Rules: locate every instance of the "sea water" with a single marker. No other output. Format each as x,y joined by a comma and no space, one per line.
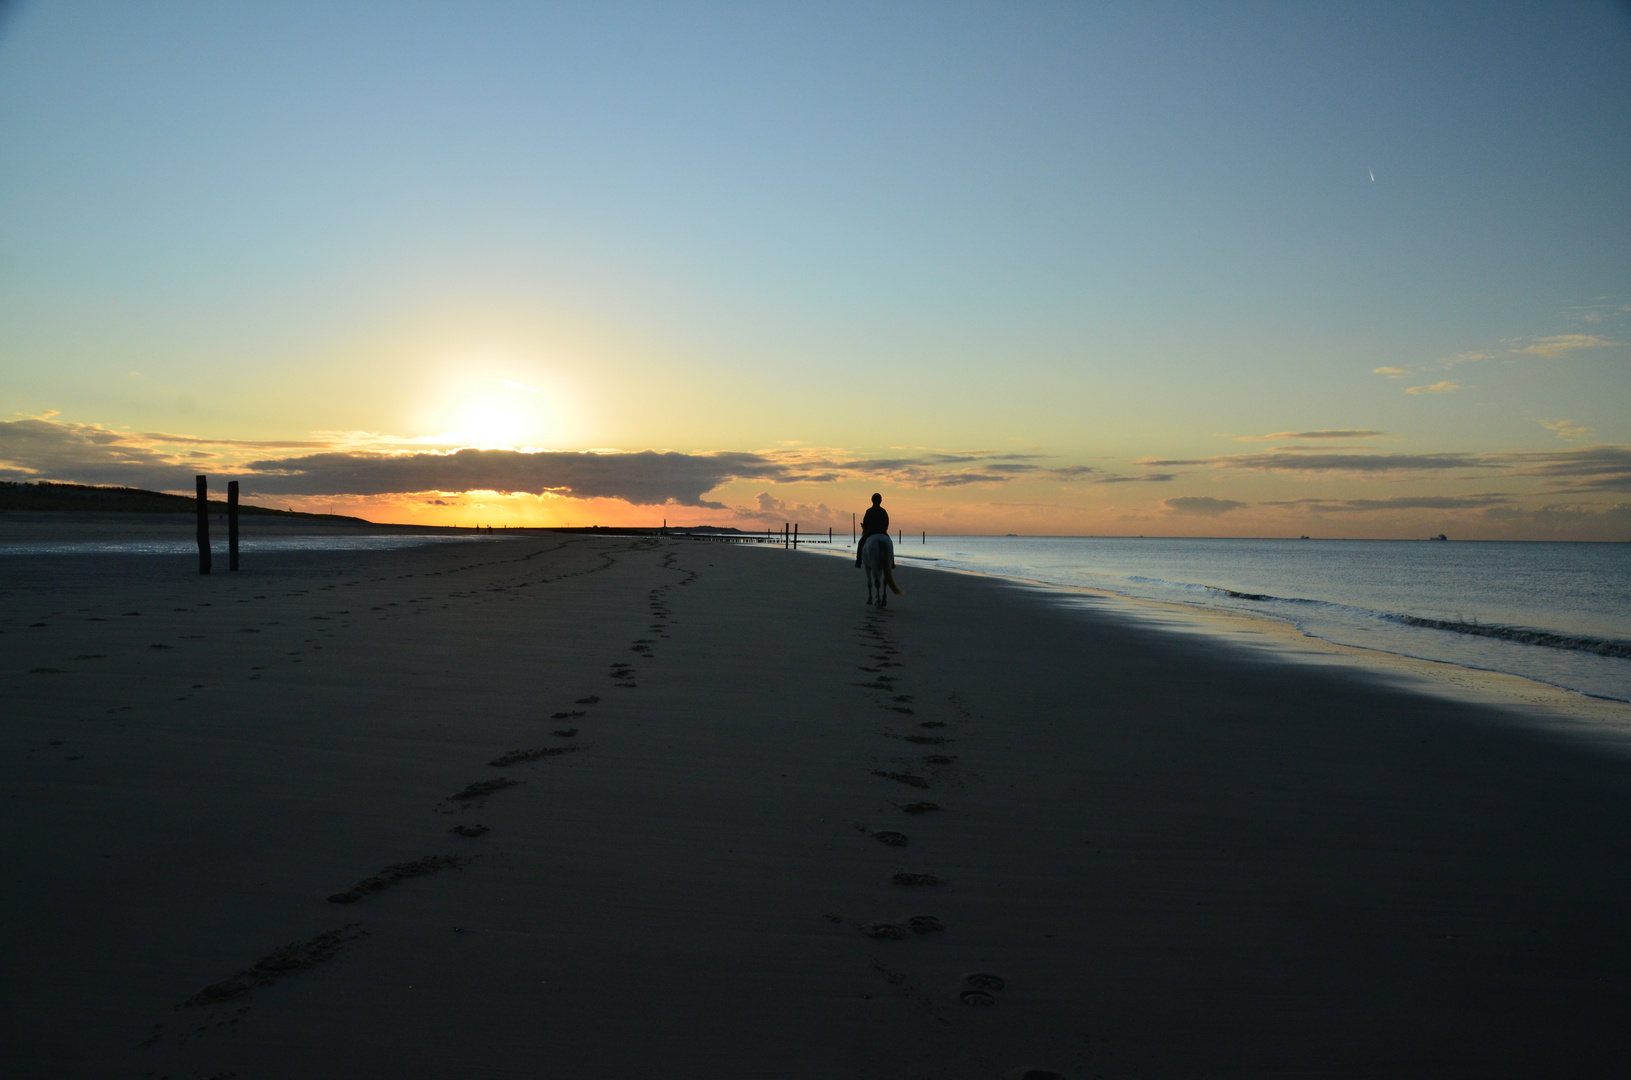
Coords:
1558,613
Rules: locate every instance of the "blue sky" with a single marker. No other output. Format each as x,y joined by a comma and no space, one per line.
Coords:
1097,234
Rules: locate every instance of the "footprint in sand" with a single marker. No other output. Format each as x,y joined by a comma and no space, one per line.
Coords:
294,957
938,759
883,931
590,700
893,839
933,723
567,715
920,807
913,879
904,778
468,830
925,924
565,733
516,757
478,791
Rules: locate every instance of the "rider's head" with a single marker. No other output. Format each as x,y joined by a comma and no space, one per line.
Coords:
876,498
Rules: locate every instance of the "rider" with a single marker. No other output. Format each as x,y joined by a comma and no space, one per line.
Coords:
875,520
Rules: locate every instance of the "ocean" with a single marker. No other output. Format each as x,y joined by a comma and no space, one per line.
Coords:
1556,613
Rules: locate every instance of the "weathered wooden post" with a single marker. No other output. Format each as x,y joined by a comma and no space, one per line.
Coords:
925,537
203,525
232,524
795,535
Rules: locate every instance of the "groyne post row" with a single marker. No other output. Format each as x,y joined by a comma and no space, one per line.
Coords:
790,535
204,525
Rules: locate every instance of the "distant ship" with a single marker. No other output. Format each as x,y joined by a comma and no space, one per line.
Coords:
1440,536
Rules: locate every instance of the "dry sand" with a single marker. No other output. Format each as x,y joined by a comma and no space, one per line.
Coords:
1156,857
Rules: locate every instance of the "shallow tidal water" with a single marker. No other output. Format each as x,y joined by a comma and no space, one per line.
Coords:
1557,613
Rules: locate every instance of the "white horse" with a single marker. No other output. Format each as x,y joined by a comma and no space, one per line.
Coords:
878,561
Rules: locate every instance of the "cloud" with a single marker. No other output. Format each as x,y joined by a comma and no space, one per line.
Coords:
85,453
49,450
513,385
160,438
1577,521
770,509
1391,372
1201,504
1147,478
1596,313
1335,433
1566,429
938,469
643,478
1563,344
1445,387
367,463
1590,468
1464,358
1290,461
1400,502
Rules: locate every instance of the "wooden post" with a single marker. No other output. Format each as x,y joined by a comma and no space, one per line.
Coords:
203,525
852,526
232,524
795,535
829,536
925,537
786,533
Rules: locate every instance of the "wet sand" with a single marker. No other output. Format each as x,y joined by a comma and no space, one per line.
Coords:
570,806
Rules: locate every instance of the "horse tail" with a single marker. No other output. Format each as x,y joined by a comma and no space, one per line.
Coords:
889,579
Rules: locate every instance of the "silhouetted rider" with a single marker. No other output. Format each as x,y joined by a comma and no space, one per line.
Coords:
875,520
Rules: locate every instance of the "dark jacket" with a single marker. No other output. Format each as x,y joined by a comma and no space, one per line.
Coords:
876,520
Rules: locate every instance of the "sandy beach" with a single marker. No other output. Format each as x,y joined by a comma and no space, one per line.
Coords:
579,806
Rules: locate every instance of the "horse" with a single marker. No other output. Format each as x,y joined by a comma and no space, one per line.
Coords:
878,560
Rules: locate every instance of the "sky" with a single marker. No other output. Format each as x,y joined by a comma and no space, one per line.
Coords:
1067,268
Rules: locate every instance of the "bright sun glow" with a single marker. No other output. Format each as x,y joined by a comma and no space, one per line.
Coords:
496,421
496,404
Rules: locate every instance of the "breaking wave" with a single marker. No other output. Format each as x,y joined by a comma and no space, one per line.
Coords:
1522,634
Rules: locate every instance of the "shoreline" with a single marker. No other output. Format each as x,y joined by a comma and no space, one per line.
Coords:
1281,638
